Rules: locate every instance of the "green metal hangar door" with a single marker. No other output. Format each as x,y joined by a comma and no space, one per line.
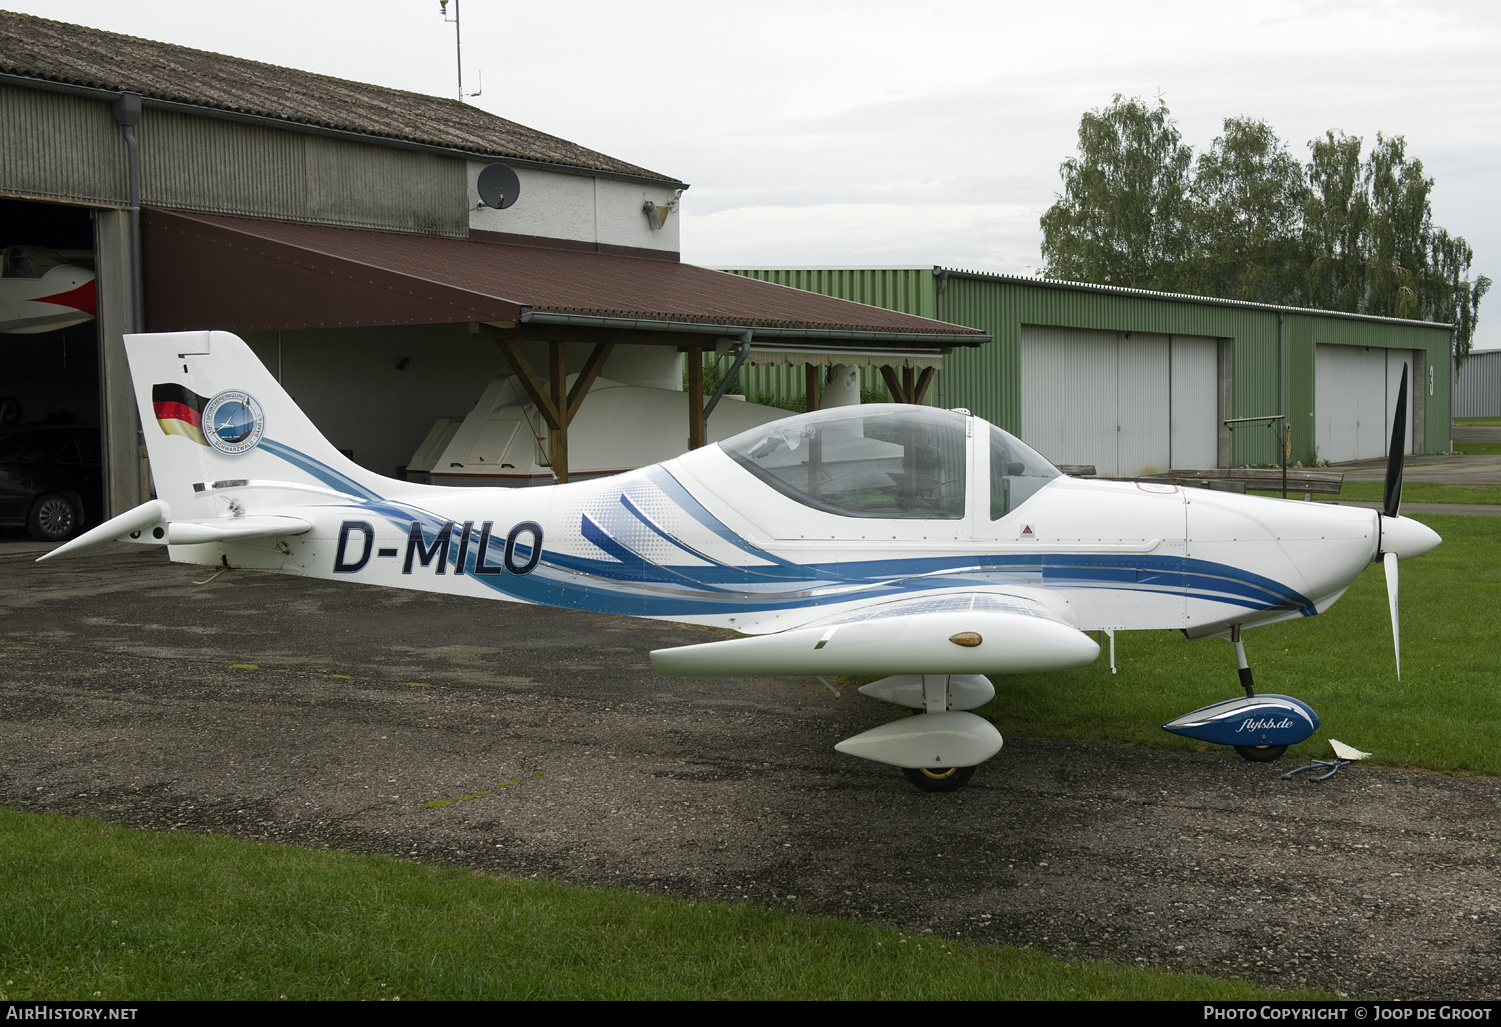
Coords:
388,255
1135,382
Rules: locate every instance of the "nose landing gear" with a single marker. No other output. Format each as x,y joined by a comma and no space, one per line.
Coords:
1258,727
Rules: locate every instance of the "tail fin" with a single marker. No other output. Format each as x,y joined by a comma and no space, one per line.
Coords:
213,415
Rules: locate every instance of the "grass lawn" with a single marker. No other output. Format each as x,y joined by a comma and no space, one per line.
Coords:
1478,448
1478,420
1445,713
95,911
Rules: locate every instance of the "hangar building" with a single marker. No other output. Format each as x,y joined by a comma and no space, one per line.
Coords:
1137,382
338,227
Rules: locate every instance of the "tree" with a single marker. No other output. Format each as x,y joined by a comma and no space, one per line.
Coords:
1371,244
1120,219
1400,227
1448,294
1248,222
1245,215
1336,214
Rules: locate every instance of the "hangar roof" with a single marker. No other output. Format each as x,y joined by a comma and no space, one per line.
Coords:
250,274
1182,297
58,52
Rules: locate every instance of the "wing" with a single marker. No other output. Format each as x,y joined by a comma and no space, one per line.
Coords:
956,633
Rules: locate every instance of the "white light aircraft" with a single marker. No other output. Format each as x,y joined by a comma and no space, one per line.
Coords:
920,544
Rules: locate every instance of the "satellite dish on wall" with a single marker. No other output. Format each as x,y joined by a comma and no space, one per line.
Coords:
498,186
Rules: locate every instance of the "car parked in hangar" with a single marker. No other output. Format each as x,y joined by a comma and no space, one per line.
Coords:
50,479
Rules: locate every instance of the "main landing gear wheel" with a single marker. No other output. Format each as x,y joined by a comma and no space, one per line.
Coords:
939,779
1261,753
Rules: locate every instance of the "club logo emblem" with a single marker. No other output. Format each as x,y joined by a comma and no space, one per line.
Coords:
233,423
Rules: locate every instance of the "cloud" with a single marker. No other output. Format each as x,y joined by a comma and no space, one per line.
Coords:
982,236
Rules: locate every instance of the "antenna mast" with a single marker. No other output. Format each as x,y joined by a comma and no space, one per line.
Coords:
458,48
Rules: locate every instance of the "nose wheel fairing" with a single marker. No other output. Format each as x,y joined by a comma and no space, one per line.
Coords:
1253,721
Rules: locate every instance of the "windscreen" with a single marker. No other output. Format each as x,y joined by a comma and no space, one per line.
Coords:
871,460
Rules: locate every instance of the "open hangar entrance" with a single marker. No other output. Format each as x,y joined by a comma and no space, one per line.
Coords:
53,375
50,403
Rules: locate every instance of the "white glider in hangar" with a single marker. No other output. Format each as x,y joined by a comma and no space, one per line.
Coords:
924,545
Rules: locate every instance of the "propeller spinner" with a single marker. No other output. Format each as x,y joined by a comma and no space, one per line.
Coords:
1401,537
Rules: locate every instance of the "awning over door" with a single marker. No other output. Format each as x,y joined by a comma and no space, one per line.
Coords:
206,271
251,274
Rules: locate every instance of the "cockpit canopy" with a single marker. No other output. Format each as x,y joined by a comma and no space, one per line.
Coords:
887,461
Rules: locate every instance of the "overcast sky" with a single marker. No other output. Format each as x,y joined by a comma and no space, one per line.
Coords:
834,133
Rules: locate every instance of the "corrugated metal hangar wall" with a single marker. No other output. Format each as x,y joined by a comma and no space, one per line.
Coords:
1135,382
1477,393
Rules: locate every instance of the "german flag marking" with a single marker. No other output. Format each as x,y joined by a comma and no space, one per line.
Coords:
179,411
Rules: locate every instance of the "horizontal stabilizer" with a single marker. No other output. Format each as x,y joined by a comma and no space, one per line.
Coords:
151,522
969,642
927,740
151,512
187,533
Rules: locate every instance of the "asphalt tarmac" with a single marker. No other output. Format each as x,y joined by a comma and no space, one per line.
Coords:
522,741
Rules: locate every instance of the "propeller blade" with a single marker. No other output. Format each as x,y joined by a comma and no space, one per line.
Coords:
1391,495
1390,562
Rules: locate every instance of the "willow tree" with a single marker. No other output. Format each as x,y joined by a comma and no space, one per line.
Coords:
1243,218
1120,217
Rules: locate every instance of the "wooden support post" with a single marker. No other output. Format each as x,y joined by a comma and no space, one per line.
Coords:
696,426
909,384
893,384
585,381
811,386
529,382
557,386
923,381
557,404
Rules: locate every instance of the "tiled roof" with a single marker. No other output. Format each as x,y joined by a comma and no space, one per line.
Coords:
59,52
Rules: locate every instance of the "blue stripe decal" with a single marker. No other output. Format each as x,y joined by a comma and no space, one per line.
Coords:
626,582
327,475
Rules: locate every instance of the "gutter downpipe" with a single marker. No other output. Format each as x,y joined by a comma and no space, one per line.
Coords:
724,383
1286,433
127,111
943,286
